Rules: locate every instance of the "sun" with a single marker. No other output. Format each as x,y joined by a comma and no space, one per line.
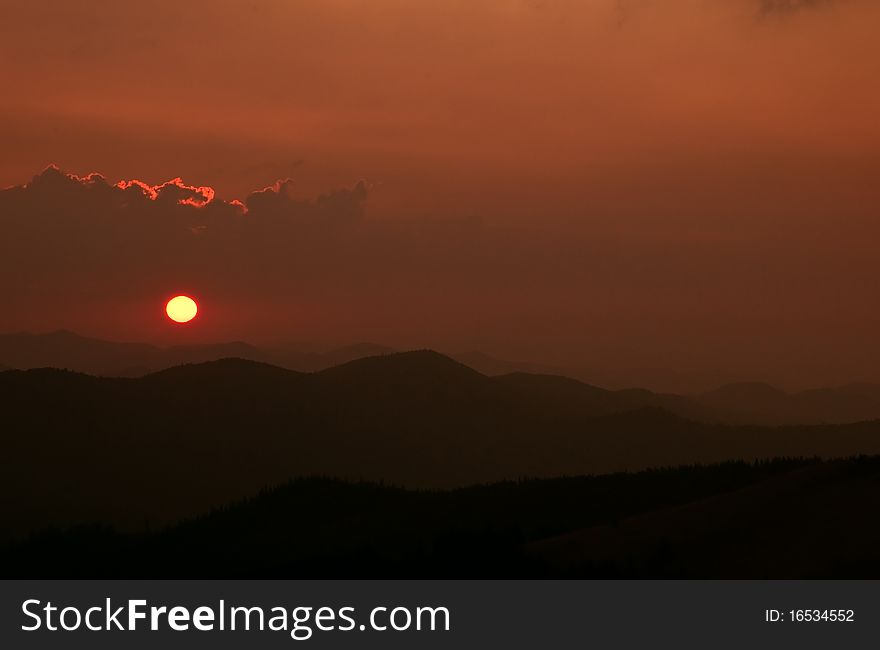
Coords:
181,309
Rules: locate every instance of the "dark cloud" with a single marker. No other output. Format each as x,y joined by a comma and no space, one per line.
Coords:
93,196
278,200
61,192
85,236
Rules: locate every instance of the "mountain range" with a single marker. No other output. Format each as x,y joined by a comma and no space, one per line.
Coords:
68,350
177,442
737,403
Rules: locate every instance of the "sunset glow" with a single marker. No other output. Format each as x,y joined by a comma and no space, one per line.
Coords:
521,290
197,196
669,193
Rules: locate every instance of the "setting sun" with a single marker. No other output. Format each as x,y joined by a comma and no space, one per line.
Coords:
181,309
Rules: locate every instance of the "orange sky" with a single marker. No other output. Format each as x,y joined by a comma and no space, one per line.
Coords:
676,183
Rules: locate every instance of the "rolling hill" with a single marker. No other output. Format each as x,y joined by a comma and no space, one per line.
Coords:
814,522
776,519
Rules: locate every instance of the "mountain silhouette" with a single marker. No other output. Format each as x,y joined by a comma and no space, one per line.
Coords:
865,389
294,358
761,403
177,442
417,367
740,403
64,349
812,522
781,518
489,365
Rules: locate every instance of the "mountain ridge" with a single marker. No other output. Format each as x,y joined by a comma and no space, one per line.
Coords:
200,435
737,403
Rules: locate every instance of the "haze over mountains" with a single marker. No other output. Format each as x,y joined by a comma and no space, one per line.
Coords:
738,403
265,466
64,349
177,442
